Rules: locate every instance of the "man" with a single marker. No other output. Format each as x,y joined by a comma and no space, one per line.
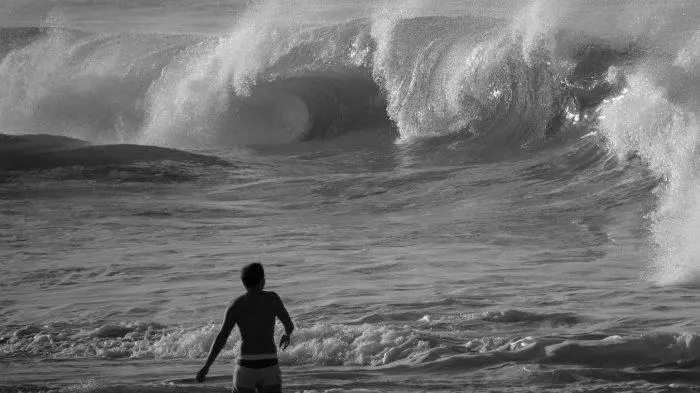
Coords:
254,312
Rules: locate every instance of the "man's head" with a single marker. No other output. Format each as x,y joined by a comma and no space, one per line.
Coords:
253,276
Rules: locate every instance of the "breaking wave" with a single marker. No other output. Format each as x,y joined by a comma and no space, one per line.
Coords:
554,71
425,345
263,84
422,343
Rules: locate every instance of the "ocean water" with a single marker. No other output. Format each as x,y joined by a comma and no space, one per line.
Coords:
457,196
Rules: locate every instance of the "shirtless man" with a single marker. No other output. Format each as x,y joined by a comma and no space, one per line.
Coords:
254,312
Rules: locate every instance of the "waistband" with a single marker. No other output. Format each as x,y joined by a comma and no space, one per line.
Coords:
257,363
258,356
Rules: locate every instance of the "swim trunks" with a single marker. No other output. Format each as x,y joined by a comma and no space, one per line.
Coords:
252,373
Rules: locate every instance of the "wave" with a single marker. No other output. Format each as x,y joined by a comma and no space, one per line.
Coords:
66,157
81,85
627,77
261,84
420,345
656,118
177,386
17,37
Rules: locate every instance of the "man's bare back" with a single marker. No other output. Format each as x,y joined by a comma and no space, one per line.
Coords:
254,312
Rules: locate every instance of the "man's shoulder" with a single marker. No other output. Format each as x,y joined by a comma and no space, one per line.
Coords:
243,299
237,301
272,296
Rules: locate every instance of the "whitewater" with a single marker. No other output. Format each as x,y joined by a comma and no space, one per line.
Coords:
457,196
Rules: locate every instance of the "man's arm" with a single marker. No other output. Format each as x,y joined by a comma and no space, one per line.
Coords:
219,342
283,315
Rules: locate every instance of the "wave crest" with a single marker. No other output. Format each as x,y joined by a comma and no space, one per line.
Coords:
259,84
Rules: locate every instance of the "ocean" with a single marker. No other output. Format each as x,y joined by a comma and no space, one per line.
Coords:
453,196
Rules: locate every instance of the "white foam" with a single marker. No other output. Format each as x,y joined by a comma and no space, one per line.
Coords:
665,133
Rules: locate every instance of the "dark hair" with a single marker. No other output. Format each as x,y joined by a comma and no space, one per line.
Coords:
252,275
